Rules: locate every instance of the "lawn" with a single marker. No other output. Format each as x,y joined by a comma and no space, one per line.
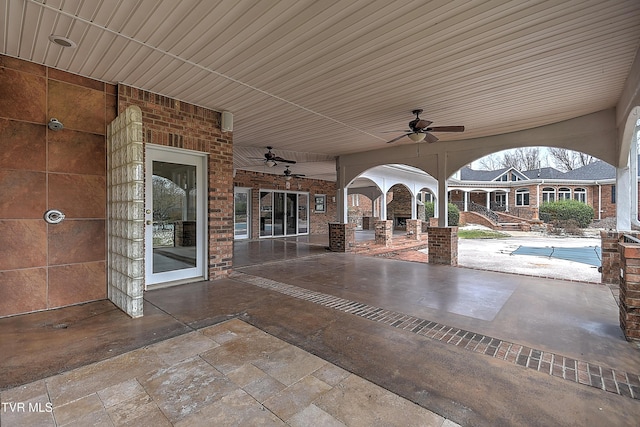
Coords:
481,234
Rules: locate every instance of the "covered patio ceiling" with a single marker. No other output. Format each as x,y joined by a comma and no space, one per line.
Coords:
320,79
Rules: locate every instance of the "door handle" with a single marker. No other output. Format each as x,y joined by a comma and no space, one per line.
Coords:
149,222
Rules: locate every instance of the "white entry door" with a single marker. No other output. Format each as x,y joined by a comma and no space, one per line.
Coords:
175,230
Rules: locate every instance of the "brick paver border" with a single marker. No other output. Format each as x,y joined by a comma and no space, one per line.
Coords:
578,371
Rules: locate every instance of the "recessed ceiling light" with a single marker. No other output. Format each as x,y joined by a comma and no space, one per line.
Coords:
62,41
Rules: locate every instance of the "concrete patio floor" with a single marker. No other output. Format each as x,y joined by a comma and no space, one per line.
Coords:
472,347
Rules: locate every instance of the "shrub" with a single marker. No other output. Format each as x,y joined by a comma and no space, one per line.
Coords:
561,212
453,217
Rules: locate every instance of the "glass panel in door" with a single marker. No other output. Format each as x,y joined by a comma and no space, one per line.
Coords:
266,213
292,213
303,216
174,219
278,214
241,213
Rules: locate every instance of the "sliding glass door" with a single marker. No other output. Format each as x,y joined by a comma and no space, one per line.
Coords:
283,213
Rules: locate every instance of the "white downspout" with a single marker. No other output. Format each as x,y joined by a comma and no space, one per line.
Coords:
599,200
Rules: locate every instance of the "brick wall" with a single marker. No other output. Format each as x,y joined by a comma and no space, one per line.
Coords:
173,123
261,181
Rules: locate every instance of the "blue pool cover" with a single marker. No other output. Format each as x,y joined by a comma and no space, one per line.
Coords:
587,255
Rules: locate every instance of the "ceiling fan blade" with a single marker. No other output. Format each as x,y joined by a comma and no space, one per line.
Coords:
280,159
446,129
421,124
396,131
430,138
396,139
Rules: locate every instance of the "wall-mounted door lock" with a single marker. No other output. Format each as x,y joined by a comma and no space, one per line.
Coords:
53,216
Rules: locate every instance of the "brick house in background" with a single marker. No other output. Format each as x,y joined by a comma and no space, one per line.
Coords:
520,193
514,192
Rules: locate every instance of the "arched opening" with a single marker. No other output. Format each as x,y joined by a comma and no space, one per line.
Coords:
400,206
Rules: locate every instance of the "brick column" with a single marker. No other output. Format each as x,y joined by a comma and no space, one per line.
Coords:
630,290
610,268
443,245
342,237
384,232
414,229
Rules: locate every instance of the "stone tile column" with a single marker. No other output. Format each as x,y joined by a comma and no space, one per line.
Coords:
384,232
443,245
414,229
342,237
630,290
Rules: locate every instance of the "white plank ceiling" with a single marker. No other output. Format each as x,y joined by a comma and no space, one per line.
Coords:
317,79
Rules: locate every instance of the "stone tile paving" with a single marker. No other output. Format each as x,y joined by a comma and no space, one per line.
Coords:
229,374
557,365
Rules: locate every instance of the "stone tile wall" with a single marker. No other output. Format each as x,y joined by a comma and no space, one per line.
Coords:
45,266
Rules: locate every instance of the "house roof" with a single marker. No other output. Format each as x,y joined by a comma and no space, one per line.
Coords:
595,171
468,174
544,173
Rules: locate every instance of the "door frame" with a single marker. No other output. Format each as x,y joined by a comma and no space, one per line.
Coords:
198,159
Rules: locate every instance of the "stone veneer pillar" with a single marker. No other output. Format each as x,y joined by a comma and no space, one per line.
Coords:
630,290
443,245
414,229
342,237
384,232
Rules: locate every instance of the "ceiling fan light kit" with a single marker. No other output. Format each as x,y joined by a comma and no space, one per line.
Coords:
420,130
417,136
288,174
270,159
